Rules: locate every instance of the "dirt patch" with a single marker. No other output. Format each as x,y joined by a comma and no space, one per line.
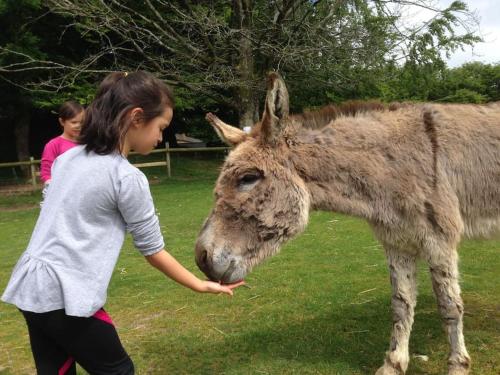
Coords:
8,190
19,207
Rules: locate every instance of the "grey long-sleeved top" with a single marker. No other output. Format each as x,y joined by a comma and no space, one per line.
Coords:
92,201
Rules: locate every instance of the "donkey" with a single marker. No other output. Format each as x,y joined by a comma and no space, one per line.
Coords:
423,176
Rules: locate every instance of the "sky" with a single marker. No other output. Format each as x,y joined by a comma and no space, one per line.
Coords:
488,51
488,14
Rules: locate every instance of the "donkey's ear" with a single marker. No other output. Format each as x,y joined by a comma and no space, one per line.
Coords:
276,108
228,134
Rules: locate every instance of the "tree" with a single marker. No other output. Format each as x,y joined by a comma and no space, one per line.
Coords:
30,36
472,82
217,52
18,103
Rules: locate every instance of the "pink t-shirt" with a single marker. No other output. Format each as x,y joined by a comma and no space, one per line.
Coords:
51,151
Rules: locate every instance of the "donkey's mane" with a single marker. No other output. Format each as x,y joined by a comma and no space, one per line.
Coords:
321,117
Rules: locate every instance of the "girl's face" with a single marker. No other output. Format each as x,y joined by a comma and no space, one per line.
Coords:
142,136
72,126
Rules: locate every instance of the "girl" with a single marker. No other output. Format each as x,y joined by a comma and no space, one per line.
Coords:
70,118
60,281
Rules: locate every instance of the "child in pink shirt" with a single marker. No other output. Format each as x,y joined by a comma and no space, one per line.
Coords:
70,118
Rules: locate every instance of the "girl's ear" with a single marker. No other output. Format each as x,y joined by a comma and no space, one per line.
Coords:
61,122
136,116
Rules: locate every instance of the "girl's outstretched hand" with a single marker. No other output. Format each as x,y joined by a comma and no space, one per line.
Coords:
213,287
167,264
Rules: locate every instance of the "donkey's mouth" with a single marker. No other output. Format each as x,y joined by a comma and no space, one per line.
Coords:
225,278
233,274
228,272
232,282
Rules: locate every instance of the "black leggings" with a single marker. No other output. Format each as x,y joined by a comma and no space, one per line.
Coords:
58,341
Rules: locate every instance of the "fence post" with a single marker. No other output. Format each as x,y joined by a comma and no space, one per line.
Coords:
33,171
167,159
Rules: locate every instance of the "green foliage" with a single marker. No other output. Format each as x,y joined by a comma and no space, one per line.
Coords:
483,79
82,92
466,96
30,33
470,83
328,51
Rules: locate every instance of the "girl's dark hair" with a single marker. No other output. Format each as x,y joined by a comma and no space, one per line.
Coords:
69,109
106,121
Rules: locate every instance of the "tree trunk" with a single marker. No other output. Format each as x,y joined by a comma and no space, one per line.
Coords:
248,106
170,135
21,132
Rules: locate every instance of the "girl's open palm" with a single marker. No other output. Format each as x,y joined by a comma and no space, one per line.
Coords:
213,287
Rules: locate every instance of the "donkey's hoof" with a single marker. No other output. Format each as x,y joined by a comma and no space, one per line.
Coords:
459,364
458,370
388,370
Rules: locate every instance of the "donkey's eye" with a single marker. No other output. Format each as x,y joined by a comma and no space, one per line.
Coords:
249,180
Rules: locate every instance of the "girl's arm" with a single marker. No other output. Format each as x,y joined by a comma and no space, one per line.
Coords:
48,156
167,264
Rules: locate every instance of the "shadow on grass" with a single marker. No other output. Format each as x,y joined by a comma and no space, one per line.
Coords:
349,339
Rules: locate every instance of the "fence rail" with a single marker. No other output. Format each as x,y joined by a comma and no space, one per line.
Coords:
32,163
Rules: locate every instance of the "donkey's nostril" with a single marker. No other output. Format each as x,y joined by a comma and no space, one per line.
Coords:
203,257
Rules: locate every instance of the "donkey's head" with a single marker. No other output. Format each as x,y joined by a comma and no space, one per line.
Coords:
260,200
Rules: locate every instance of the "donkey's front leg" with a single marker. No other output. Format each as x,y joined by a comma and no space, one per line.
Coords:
444,272
404,296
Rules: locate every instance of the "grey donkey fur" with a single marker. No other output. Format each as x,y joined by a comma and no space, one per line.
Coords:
423,176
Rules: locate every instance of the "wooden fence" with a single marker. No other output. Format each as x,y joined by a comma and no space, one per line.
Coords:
34,173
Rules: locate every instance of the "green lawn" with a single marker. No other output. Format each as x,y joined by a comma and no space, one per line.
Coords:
320,307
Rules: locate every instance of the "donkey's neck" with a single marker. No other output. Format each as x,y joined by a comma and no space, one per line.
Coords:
340,165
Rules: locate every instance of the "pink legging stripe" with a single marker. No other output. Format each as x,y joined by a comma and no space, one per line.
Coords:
66,366
103,315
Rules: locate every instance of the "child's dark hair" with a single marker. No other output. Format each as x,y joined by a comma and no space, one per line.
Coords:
69,109
106,121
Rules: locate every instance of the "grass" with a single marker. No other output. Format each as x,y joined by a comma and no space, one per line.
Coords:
320,307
